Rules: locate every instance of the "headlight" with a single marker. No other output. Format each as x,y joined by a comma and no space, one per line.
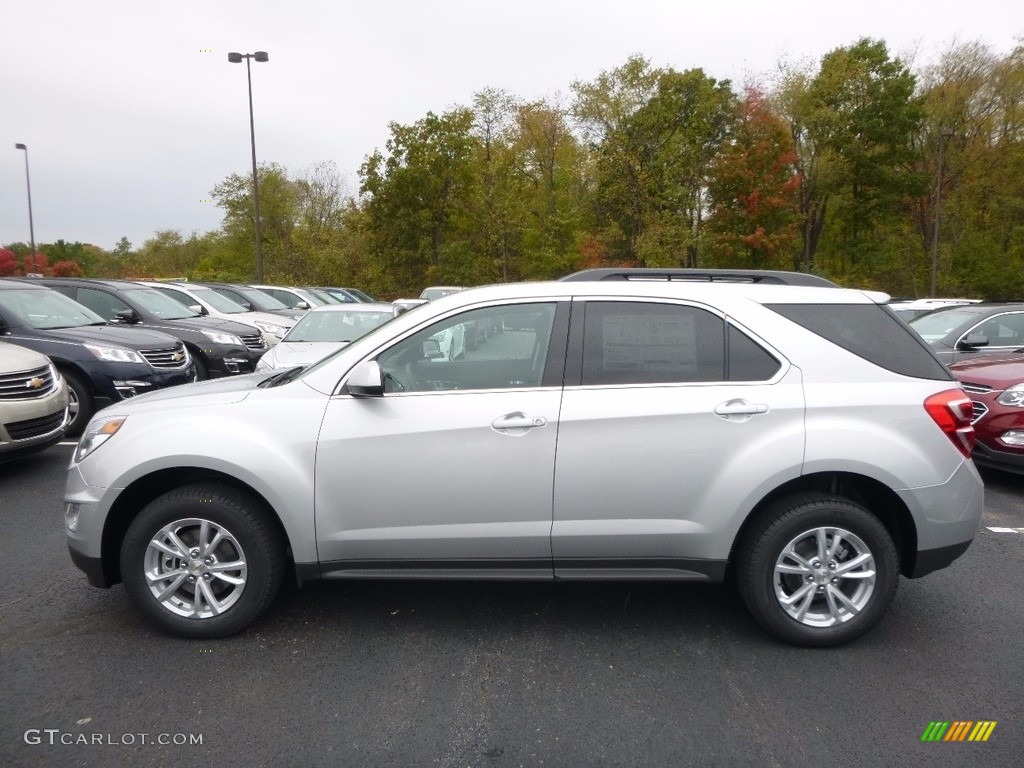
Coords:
264,365
271,328
223,338
96,434
1013,396
115,354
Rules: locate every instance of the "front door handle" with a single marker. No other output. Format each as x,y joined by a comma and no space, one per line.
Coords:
517,421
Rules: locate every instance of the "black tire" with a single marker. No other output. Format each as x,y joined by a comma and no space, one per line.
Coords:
840,601
248,535
80,403
202,369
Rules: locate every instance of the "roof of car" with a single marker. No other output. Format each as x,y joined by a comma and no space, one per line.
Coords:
87,281
13,285
365,306
715,291
755,276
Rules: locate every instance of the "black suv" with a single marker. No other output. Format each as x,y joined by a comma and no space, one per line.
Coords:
218,347
101,364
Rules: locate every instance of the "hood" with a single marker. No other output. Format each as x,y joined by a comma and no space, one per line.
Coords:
291,354
264,317
14,358
996,372
212,392
217,324
108,335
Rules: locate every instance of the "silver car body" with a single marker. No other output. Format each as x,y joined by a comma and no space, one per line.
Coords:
536,480
33,401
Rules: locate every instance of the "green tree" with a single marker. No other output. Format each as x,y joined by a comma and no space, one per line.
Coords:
419,192
659,130
864,113
279,214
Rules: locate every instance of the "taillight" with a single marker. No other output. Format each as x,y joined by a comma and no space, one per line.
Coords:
952,411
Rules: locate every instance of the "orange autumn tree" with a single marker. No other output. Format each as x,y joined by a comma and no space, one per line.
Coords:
753,188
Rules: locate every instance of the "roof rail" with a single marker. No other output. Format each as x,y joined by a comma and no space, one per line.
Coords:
756,276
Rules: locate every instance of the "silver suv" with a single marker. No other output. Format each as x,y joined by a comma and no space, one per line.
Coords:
615,426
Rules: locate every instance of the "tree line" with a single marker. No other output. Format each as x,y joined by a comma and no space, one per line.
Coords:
859,167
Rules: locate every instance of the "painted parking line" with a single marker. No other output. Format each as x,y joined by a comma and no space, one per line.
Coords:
997,529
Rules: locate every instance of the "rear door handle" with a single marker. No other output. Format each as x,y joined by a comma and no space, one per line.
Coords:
739,409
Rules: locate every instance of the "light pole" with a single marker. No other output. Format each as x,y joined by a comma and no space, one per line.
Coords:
31,226
944,134
236,58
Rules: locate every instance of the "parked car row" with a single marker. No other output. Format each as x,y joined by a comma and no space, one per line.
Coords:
109,340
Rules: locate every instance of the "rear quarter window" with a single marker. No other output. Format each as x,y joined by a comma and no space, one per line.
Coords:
870,331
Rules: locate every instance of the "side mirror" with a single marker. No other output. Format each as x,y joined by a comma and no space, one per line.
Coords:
302,305
432,349
199,309
127,317
366,380
973,341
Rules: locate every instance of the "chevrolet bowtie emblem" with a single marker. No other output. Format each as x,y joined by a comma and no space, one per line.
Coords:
36,383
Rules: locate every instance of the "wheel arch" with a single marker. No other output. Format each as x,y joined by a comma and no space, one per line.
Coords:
145,489
877,498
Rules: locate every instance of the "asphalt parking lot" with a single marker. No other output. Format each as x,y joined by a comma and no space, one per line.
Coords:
492,674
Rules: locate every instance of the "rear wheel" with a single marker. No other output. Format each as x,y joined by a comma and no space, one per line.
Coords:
202,561
817,570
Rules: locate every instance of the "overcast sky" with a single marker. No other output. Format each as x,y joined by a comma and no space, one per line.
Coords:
132,113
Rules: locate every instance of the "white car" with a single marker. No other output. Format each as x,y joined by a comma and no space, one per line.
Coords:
908,310
324,330
207,301
437,291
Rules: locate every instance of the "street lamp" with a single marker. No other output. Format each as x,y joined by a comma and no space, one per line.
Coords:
944,134
236,58
31,227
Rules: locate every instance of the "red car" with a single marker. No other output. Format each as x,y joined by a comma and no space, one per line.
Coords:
996,388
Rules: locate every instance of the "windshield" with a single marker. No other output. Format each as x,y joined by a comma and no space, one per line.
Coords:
163,307
935,327
336,326
219,302
46,310
262,301
324,296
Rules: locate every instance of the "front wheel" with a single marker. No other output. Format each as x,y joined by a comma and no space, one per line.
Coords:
817,570
80,404
202,561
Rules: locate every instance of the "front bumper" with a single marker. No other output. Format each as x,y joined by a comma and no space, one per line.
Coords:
985,455
114,382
